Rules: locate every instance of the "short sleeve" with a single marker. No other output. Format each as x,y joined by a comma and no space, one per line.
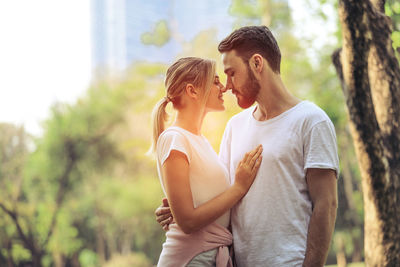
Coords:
172,140
320,148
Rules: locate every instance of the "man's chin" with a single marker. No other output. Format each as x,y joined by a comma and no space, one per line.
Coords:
245,103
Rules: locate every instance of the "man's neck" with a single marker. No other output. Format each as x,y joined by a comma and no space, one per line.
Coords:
273,100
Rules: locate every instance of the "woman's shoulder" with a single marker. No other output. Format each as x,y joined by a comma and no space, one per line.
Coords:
172,139
170,134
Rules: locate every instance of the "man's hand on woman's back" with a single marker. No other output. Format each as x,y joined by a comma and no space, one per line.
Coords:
163,215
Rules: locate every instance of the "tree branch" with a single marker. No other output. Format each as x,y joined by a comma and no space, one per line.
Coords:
337,62
14,216
62,187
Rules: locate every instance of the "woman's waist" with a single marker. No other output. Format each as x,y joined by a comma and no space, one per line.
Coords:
212,233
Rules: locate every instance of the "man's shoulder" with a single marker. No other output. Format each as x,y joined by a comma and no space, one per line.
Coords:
309,116
312,113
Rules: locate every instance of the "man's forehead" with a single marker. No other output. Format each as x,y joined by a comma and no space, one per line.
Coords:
228,55
223,57
229,59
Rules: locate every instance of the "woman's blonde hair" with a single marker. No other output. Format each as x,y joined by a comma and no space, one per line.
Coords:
189,70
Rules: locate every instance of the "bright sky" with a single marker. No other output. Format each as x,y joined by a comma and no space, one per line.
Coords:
44,57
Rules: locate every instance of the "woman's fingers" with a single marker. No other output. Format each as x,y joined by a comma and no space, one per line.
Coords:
250,155
254,155
254,151
246,157
257,164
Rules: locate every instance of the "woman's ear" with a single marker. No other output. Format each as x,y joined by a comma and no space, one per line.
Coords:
192,91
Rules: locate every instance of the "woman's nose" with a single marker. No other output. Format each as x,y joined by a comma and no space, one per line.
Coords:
222,88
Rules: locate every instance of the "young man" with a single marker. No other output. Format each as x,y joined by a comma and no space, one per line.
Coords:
288,216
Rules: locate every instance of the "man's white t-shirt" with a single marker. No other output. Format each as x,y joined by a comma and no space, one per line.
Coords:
270,223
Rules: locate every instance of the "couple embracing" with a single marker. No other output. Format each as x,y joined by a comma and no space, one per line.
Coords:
271,193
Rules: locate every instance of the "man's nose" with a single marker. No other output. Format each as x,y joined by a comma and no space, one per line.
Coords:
228,86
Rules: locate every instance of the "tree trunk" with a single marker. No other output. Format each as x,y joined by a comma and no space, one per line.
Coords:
370,79
37,259
100,243
10,259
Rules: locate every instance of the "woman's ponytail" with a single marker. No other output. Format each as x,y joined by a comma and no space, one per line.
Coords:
159,117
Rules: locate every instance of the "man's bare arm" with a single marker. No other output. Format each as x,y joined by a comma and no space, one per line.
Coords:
322,187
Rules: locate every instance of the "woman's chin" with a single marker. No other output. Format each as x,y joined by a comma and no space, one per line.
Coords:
221,108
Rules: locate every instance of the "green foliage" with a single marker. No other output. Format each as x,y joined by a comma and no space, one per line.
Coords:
65,239
396,39
20,253
272,13
82,172
249,8
392,9
88,258
159,36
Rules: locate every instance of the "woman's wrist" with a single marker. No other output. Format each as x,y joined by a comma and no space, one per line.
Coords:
238,190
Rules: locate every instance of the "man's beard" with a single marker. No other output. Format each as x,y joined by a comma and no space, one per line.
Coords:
250,91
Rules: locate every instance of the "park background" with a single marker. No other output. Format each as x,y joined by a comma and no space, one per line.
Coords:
76,185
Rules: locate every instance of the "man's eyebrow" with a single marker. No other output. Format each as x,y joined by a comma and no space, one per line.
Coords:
216,76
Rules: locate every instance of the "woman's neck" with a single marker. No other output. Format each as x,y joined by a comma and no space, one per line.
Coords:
190,120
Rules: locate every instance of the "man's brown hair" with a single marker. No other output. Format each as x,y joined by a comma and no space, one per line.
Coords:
249,40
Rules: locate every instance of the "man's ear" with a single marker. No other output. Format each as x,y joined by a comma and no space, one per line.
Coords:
257,62
191,91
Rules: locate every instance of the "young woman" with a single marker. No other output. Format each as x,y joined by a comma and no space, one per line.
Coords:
193,179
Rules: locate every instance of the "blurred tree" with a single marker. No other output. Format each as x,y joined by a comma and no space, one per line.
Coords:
370,76
159,36
119,209
14,149
272,13
76,142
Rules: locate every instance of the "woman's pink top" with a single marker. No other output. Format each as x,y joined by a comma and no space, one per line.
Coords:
179,248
